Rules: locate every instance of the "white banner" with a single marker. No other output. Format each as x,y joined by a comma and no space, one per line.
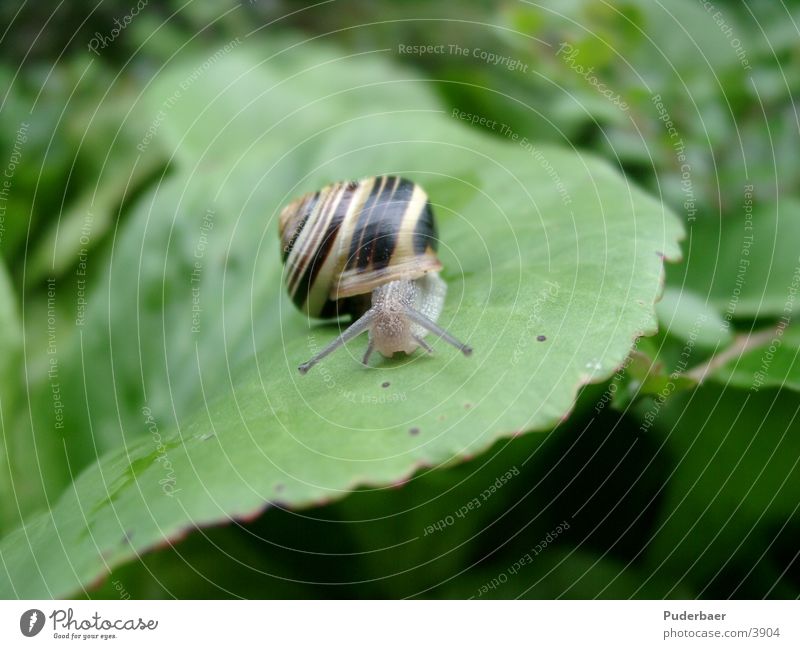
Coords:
400,624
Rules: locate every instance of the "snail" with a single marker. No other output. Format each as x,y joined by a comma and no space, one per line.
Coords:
367,248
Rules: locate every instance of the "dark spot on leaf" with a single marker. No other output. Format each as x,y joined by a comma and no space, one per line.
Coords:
414,430
279,487
467,406
385,384
660,254
541,338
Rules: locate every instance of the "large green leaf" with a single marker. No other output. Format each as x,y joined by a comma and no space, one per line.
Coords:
217,423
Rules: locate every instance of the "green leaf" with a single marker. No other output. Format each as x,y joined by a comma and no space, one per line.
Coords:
736,486
748,266
687,316
401,542
10,366
217,423
558,574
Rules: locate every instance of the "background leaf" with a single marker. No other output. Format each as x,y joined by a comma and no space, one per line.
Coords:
10,353
745,268
735,493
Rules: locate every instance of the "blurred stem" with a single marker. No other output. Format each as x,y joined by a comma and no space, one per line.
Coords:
741,344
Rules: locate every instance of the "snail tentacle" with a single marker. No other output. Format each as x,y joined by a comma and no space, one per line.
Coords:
421,342
368,353
359,326
435,329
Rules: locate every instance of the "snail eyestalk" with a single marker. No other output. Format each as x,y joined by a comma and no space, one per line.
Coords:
421,342
368,353
359,326
435,329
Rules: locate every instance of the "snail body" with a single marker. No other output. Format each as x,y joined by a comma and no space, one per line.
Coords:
368,249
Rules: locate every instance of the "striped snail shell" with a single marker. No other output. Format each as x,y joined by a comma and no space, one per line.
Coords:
368,249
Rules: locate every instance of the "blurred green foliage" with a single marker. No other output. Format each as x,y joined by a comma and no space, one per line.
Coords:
690,494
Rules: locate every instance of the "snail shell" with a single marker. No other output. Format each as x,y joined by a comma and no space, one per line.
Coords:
350,237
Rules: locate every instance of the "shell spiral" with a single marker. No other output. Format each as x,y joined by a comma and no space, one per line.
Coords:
350,237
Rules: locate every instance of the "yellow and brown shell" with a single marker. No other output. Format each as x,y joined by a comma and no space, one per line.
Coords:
352,236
